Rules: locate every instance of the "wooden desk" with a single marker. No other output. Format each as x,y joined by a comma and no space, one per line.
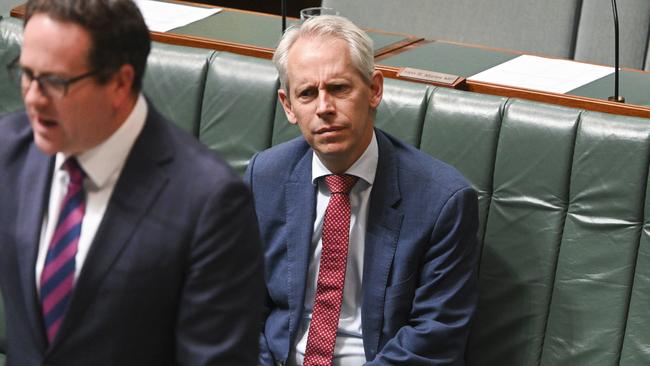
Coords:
467,60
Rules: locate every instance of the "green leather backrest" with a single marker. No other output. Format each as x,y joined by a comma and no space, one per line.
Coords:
282,129
565,242
565,264
522,233
175,80
637,336
595,272
238,107
10,40
402,109
462,129
10,101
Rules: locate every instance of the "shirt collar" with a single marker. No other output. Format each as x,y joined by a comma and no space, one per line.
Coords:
100,162
365,167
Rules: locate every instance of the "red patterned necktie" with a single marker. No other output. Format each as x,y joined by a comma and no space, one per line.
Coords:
57,278
331,274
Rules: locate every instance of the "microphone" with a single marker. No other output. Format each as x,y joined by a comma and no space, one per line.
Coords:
616,97
284,15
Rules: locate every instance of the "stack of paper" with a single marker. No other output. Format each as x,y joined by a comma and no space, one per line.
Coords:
161,17
544,74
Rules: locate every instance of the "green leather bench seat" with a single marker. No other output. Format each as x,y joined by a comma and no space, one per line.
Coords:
176,88
524,225
402,110
10,41
465,140
238,107
563,195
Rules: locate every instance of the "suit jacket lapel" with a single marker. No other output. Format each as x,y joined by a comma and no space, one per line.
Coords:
301,210
384,223
34,181
140,182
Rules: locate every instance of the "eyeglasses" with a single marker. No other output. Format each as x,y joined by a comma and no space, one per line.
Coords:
53,86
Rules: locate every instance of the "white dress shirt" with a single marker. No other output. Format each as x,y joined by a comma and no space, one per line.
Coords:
102,165
349,344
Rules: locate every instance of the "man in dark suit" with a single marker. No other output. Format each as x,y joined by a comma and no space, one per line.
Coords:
123,241
370,244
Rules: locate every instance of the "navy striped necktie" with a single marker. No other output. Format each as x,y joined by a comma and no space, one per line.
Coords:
57,278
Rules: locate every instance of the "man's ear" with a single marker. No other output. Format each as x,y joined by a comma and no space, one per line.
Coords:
286,105
122,83
376,88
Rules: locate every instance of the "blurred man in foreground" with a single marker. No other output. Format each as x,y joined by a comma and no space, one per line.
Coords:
123,241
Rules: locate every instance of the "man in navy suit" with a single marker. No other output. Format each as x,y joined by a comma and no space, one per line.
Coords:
409,289
123,240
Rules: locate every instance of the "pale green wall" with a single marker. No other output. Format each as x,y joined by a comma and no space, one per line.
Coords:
7,5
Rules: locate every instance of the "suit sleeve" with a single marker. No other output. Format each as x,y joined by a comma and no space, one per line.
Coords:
221,300
265,356
445,297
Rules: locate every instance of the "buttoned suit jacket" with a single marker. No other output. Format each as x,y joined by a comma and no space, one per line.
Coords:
419,273
173,275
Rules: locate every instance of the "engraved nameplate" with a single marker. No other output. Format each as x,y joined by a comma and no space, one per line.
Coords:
426,75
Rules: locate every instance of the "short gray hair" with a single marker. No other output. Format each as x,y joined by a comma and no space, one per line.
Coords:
327,26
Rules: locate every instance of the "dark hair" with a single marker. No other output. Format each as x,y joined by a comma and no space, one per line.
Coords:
118,32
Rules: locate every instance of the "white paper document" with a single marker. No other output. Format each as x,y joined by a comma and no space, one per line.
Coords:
544,74
161,17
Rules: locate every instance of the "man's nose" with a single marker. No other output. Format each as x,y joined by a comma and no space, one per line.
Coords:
325,104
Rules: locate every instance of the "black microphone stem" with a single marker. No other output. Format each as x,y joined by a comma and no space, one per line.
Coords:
616,97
